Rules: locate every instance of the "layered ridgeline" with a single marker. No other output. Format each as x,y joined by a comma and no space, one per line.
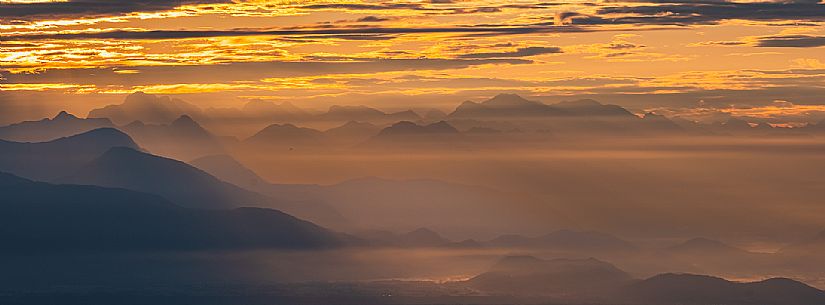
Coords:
47,129
182,139
592,281
183,184
110,158
58,158
175,128
40,217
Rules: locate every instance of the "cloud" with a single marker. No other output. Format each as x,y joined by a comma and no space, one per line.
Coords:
521,52
791,41
182,34
88,8
239,71
373,19
680,12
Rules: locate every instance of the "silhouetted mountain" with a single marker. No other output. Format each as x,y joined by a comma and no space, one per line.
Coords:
566,240
406,115
406,128
177,181
704,246
46,161
422,237
352,131
62,125
186,185
434,115
287,136
512,105
285,110
504,105
351,113
570,118
588,107
43,218
409,135
700,289
732,126
182,139
230,170
365,114
580,279
659,123
146,108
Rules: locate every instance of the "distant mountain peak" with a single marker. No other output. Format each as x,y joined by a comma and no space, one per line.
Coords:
353,109
422,237
63,115
442,127
410,128
140,97
508,100
185,121
104,132
357,124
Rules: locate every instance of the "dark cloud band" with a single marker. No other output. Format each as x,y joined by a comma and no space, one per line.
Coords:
164,34
87,8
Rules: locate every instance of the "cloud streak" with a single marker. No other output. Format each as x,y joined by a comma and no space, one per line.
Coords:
183,34
521,52
87,8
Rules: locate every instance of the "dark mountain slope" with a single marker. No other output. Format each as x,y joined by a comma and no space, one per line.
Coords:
40,217
701,289
47,161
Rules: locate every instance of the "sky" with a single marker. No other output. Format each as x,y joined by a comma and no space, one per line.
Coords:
681,58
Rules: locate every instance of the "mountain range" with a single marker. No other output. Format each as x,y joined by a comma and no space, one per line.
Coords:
47,129
182,139
147,108
185,185
46,161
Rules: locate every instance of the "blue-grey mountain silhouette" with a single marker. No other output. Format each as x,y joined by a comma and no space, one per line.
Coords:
701,289
54,159
575,279
286,136
39,217
147,108
182,139
186,185
62,125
